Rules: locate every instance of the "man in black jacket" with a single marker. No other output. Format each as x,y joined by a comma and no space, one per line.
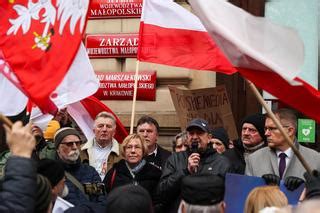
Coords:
149,128
200,158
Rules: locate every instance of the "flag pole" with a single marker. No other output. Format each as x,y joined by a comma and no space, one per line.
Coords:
5,120
134,96
279,126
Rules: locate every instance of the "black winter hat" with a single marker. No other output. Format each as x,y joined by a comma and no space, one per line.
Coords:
62,133
43,194
51,169
129,199
202,189
221,134
257,120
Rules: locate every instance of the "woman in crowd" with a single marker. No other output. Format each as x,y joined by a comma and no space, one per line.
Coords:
133,169
220,139
179,142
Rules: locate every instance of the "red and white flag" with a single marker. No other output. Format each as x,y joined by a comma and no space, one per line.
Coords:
39,40
79,83
265,53
84,113
171,35
269,55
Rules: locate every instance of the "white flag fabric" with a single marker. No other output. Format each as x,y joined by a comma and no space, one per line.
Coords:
83,119
249,41
13,101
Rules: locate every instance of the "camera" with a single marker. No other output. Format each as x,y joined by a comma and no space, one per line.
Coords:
94,188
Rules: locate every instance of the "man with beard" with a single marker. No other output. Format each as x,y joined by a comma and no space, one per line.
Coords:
149,128
199,159
67,142
102,151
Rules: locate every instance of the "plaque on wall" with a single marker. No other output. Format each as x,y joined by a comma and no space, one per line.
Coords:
115,9
120,85
112,45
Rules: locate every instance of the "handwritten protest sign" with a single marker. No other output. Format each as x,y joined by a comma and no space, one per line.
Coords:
211,104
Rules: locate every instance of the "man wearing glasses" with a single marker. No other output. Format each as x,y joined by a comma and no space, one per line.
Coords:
277,161
67,142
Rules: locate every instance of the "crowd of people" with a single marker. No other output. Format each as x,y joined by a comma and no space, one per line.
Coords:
55,170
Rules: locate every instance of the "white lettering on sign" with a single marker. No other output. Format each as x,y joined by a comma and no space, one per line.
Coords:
118,42
128,50
121,93
102,51
114,12
122,77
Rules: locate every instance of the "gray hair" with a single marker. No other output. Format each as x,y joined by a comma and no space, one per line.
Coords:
105,114
190,208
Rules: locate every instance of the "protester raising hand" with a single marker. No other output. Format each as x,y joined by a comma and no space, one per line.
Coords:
19,184
20,140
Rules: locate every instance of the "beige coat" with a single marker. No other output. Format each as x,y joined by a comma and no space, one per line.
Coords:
87,156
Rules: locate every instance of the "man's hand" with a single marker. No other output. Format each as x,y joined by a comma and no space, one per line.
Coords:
292,183
193,162
312,184
20,140
271,179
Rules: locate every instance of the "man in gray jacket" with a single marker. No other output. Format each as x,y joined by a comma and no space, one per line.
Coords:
277,161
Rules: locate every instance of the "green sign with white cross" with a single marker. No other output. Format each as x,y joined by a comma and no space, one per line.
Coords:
306,130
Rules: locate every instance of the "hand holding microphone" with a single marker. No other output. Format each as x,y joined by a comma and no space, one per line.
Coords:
194,158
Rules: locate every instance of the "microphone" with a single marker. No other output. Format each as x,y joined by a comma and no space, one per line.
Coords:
194,149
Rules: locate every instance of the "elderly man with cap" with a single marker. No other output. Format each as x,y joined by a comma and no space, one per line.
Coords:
200,158
67,142
252,139
252,133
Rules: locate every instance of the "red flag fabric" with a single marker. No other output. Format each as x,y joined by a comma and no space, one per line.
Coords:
84,113
170,35
35,41
268,55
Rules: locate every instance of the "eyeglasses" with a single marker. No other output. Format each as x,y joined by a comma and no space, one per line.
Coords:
273,129
70,144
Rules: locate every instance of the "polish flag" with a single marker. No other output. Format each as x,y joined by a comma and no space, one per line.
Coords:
84,113
171,35
269,55
79,83
265,53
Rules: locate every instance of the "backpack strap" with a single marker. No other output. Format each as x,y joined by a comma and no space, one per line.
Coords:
113,177
75,182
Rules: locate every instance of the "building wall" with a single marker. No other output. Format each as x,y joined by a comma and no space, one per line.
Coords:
162,109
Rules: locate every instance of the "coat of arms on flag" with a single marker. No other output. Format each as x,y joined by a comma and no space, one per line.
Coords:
39,40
